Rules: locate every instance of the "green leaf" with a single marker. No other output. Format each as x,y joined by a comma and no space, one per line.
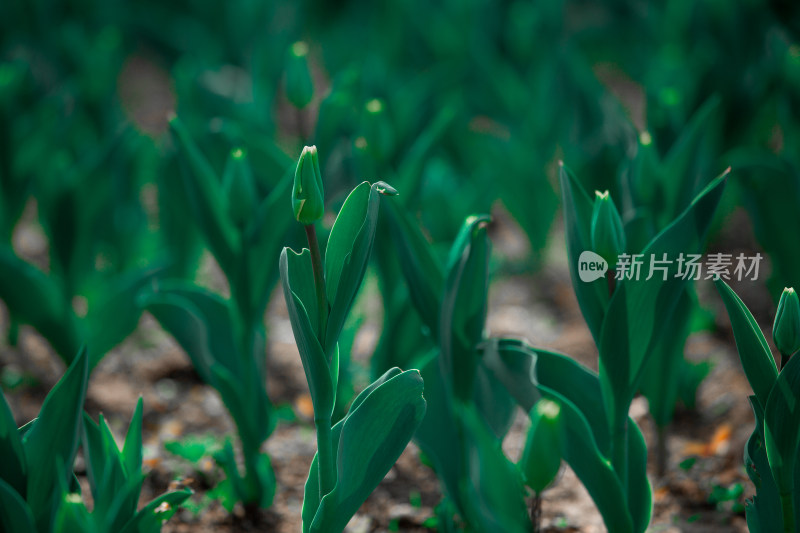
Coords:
493,401
151,517
36,299
522,368
635,320
592,296
531,373
132,449
420,266
72,515
492,485
373,435
116,299
266,480
342,240
463,310
439,434
661,379
754,352
782,425
193,447
15,515
54,440
311,497
206,198
685,150
103,467
200,321
294,272
301,283
265,238
764,510
348,250
12,467
247,402
226,459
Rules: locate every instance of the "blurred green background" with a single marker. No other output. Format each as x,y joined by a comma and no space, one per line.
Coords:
464,106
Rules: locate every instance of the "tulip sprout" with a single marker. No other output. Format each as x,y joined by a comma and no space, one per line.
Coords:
355,454
225,339
771,452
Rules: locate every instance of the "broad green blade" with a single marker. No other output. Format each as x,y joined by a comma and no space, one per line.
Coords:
764,509
439,434
782,425
661,378
348,251
53,440
315,364
685,158
206,199
635,320
420,266
248,405
116,298
463,311
640,493
373,436
200,321
265,237
151,517
311,496
72,515
495,493
301,283
593,295
15,515
12,467
530,374
493,401
132,449
754,352
100,465
37,300
592,467
344,233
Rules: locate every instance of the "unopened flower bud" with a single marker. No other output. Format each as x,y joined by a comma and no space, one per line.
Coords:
239,187
786,330
299,86
608,235
308,197
541,457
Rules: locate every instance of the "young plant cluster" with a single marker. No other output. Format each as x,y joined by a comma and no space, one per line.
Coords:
38,489
771,453
126,230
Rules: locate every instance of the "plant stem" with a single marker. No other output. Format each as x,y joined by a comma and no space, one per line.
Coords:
300,123
536,512
787,506
661,451
251,480
319,281
327,470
